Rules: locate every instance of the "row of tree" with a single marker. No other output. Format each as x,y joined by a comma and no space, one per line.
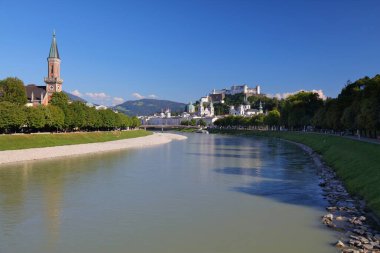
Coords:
271,120
60,115
357,108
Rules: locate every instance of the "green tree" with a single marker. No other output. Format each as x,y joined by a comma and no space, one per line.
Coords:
273,118
193,122
12,90
221,109
92,118
60,100
54,117
35,118
12,117
77,112
135,122
298,110
202,123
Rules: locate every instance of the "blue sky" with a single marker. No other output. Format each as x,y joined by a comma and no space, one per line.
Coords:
181,50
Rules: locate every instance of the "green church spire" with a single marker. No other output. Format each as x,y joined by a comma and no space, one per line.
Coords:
53,48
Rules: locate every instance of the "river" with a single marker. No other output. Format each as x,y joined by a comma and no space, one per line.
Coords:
209,193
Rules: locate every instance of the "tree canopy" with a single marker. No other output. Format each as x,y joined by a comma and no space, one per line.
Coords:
12,90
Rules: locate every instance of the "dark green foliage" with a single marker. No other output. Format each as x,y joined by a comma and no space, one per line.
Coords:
12,90
221,109
268,104
273,118
298,109
234,100
356,108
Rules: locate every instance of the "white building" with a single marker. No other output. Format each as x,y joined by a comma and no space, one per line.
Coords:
245,110
204,111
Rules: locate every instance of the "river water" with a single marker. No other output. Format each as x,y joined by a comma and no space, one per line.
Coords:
209,193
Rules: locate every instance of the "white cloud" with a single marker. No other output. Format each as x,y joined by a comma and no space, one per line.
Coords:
76,93
117,101
137,95
287,94
152,96
97,96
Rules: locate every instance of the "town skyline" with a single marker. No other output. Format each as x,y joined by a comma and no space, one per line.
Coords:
121,56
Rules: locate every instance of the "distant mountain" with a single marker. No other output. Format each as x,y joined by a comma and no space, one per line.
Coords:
74,98
144,107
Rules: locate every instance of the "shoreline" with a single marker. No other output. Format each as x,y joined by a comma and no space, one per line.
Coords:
347,214
31,154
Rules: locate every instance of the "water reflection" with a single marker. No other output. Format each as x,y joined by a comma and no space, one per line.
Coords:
278,171
37,189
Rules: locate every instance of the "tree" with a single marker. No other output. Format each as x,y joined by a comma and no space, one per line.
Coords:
298,110
273,118
123,121
12,90
135,122
12,117
221,109
54,117
76,112
202,123
268,103
60,100
92,119
193,122
35,118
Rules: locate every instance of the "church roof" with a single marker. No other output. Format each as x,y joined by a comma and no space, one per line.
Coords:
54,48
37,91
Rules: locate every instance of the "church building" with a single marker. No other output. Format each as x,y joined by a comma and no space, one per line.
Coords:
42,94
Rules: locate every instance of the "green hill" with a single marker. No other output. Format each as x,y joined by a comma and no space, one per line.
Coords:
144,107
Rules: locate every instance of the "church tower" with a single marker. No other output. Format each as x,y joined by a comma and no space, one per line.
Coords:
53,80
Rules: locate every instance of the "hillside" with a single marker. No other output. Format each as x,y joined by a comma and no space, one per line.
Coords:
144,107
72,97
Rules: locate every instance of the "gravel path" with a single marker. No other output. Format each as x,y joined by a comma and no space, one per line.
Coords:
22,155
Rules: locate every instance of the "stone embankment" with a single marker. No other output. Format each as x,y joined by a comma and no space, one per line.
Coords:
22,155
345,214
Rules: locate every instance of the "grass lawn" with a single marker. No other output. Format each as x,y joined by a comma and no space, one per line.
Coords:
356,163
22,141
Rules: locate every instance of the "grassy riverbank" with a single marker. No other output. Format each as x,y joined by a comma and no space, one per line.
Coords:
356,163
22,141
